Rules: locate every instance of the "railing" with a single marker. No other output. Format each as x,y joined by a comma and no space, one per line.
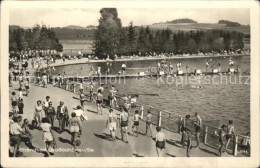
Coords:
165,119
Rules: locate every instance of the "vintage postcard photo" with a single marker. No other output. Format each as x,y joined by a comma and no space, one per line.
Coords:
92,80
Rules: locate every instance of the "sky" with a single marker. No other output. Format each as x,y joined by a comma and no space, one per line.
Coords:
61,17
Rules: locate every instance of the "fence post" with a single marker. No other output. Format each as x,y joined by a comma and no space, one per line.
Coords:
74,88
179,124
160,119
235,139
205,131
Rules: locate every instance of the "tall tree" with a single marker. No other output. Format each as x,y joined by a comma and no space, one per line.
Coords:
108,33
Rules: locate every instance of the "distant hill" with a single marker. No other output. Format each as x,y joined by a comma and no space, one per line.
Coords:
185,20
229,23
73,27
200,26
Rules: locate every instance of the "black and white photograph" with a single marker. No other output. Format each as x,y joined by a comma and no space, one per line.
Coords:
121,81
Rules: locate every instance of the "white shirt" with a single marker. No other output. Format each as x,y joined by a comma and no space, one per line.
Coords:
15,129
78,112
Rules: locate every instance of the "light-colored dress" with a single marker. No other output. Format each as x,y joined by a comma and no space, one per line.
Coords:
39,113
47,136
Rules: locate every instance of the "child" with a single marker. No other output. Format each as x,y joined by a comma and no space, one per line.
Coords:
20,105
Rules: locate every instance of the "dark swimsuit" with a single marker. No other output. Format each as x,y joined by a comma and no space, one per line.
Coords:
160,144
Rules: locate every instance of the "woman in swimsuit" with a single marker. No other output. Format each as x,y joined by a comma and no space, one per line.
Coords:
75,127
160,141
135,118
99,102
149,123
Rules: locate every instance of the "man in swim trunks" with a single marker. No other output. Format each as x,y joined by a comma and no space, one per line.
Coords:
230,132
111,121
149,123
124,123
99,102
135,118
198,127
221,135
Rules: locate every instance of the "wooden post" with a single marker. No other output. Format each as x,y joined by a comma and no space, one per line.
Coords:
160,119
179,124
235,139
74,88
205,133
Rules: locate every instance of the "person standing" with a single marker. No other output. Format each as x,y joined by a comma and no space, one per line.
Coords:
75,127
99,102
46,104
82,99
91,91
62,116
198,126
123,69
184,129
48,137
149,123
135,118
123,119
112,122
50,113
44,80
20,105
14,102
221,135
160,141
230,132
38,114
27,86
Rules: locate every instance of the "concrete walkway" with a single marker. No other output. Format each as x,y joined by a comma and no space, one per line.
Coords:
96,139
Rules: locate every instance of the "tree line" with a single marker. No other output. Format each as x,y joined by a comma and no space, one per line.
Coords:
113,39
35,39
